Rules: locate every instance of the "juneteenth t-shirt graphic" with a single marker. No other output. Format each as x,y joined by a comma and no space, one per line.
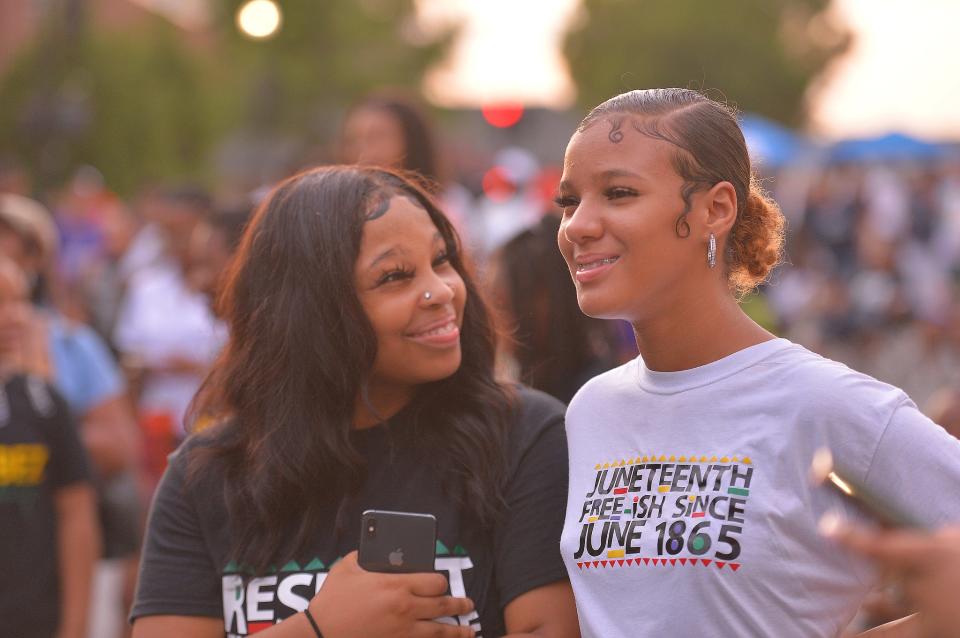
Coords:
251,605
708,471
674,511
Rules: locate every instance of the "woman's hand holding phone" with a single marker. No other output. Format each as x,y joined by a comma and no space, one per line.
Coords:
355,603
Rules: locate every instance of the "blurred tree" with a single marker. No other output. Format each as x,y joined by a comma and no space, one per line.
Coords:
143,105
296,85
131,104
325,55
761,54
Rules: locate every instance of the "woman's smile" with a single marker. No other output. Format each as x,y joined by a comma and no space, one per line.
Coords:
592,266
412,294
443,333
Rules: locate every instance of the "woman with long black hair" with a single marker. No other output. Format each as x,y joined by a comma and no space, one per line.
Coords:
359,375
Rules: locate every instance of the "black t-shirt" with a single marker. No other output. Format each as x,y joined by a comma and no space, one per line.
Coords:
187,570
40,453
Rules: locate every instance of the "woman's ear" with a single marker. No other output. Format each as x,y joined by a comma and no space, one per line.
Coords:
720,203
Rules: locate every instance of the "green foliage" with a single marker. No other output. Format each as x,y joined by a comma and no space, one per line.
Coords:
761,54
327,54
757,306
144,105
131,104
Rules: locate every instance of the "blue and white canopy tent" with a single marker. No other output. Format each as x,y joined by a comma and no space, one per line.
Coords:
773,145
892,147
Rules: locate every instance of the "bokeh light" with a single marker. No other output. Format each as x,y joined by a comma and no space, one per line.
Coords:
497,185
259,19
502,114
546,183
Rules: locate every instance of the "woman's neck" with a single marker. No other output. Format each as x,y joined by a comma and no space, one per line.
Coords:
382,402
696,331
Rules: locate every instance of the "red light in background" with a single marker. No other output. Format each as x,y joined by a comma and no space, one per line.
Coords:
497,185
502,114
546,183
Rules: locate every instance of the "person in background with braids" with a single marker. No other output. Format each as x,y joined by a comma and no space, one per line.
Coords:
690,511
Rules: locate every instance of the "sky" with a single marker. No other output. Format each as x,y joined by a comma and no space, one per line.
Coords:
902,72
508,49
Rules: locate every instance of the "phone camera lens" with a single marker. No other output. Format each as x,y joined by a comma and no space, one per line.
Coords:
371,526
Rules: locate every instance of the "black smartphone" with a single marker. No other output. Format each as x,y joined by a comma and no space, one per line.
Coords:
397,542
823,471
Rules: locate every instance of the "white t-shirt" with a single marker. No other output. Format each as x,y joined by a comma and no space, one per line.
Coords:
691,511
161,319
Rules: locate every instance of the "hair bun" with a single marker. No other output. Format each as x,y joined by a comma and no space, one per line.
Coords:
756,241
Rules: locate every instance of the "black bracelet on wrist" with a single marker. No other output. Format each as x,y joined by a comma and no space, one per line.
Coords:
313,623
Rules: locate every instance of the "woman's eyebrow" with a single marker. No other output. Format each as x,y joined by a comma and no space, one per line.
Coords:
390,252
398,249
605,176
615,173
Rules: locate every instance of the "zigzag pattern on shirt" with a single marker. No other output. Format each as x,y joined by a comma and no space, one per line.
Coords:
663,458
643,562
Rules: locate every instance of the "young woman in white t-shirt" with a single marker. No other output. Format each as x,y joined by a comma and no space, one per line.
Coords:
690,511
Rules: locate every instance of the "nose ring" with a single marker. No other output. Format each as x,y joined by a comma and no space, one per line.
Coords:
428,295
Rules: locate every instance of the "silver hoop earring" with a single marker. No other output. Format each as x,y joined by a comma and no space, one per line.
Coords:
428,295
712,251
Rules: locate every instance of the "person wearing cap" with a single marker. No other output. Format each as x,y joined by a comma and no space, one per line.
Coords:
72,357
68,354
27,235
49,541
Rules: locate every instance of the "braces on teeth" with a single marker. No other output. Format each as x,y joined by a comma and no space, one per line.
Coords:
608,260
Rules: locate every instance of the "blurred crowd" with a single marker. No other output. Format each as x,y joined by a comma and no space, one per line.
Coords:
119,307
108,302
872,272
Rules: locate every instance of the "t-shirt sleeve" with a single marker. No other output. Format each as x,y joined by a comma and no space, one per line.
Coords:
916,468
527,542
68,461
177,575
95,366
